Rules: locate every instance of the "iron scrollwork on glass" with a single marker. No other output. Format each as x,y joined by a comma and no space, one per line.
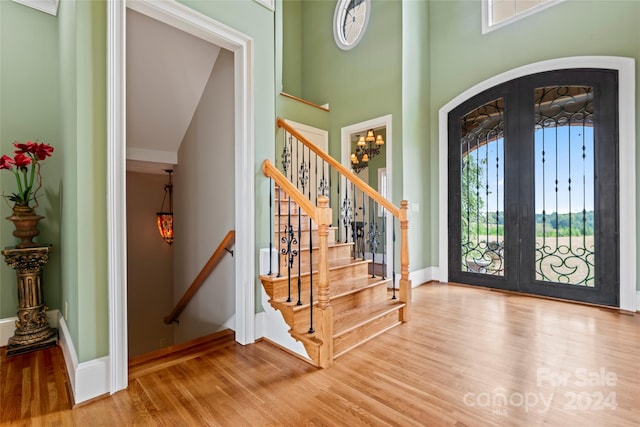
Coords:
564,159
482,197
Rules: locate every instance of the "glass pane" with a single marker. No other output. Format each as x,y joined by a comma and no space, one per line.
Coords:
482,189
564,185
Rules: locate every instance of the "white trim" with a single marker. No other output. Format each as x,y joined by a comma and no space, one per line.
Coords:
638,301
378,122
486,28
306,129
155,156
199,25
46,6
88,379
116,196
422,276
627,156
269,4
338,20
8,326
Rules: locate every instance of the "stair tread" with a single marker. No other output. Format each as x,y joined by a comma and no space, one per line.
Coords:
315,230
337,290
349,319
334,265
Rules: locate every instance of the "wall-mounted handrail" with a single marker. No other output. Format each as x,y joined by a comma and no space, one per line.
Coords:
224,247
363,186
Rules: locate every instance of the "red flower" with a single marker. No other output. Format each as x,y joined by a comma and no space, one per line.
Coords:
29,147
21,160
6,162
42,151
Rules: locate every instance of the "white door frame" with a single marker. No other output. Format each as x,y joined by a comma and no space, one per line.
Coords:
345,150
626,153
179,16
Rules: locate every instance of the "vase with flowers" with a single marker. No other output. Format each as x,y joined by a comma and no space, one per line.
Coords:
25,165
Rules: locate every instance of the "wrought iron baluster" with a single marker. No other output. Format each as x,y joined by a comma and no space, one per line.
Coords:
290,240
311,248
354,224
270,227
303,179
373,239
279,228
364,224
346,213
384,244
339,201
393,257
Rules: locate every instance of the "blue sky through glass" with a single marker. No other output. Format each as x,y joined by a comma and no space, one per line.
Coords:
563,161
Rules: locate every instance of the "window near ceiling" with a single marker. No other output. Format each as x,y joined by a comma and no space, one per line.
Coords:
498,13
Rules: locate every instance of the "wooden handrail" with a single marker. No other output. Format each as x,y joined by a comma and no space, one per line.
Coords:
363,186
271,171
226,244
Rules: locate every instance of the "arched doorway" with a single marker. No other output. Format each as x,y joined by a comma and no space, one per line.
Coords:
533,187
625,68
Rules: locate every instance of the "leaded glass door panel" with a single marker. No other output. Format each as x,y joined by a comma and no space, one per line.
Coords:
533,187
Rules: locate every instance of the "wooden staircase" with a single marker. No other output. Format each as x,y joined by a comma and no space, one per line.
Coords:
362,304
327,296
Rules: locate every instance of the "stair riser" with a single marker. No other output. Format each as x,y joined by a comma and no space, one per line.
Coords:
279,288
284,223
335,253
285,207
304,237
365,297
365,332
299,320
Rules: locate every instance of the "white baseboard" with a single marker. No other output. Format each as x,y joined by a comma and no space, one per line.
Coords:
638,301
420,277
88,379
8,326
425,275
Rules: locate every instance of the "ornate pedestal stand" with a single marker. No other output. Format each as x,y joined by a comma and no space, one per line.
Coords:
32,328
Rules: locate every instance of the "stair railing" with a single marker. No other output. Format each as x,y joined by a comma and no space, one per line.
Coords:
359,206
224,247
321,214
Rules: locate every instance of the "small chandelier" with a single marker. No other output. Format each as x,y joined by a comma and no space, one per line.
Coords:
165,219
366,149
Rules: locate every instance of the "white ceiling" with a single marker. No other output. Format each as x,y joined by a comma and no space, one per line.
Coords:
167,71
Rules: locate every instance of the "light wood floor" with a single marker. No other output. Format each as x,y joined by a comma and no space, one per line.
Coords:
464,348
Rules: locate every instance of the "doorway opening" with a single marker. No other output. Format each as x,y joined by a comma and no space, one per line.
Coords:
533,187
378,174
625,129
188,20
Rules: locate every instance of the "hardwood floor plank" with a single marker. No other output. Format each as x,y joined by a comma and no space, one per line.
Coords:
463,349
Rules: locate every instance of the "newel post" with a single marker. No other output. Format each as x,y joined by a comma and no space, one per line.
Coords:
324,329
405,283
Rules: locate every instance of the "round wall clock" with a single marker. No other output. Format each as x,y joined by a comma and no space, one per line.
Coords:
350,21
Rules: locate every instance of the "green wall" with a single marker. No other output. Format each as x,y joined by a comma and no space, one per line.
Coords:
257,22
369,81
292,36
29,101
461,56
82,34
416,129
